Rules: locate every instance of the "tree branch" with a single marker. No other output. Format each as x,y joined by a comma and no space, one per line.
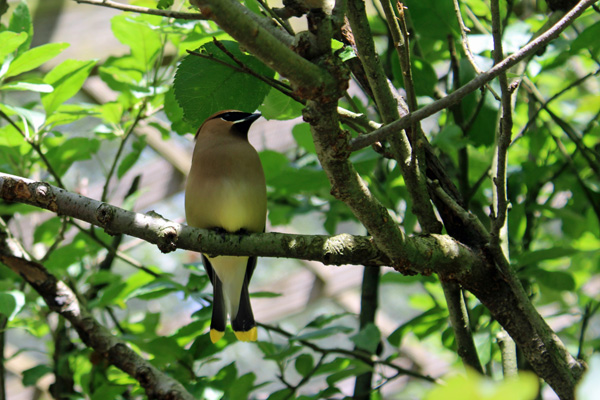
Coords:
61,299
168,235
424,112
144,10
310,80
450,259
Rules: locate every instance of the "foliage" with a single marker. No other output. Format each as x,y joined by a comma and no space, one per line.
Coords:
553,189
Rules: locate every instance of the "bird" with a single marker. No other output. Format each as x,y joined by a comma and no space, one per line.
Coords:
226,191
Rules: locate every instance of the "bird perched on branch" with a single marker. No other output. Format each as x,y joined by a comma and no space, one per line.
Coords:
226,191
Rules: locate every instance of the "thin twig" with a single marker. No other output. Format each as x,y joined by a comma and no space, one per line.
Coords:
590,196
144,10
464,38
545,104
467,48
124,257
60,236
351,353
500,201
137,119
274,83
588,313
35,147
284,24
480,80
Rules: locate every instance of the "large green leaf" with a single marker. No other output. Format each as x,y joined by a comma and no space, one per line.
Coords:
367,338
66,78
11,303
431,18
475,387
205,86
62,156
304,364
588,40
10,42
35,57
139,35
20,21
280,106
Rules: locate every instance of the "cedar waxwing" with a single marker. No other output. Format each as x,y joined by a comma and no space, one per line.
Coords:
226,190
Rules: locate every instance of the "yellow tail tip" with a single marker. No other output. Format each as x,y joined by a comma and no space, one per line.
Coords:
247,336
216,335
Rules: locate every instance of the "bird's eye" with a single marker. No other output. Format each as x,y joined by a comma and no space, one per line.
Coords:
233,116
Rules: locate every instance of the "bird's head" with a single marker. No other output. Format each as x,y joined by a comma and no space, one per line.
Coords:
231,121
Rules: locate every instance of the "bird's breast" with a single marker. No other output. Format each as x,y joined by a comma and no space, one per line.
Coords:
232,197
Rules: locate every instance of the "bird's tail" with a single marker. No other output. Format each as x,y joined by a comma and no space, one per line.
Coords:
219,313
243,323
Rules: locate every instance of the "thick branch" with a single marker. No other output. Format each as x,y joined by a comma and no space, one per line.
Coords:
527,50
450,259
311,80
61,299
420,251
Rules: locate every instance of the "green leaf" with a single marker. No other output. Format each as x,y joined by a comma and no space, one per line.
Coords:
71,253
268,295
108,391
164,4
303,137
323,333
157,288
280,107
204,86
130,159
31,85
423,324
277,352
325,319
587,40
69,113
175,114
536,256
165,350
476,387
11,303
281,394
368,338
430,18
47,231
557,280
66,78
304,364
288,179
3,7
20,21
450,137
11,42
35,57
242,387
138,34
355,368
424,77
32,375
63,154
338,364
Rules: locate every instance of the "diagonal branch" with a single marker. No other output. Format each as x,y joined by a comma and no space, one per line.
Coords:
61,299
420,251
422,113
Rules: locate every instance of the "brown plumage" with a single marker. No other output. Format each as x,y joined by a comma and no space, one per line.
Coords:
226,190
